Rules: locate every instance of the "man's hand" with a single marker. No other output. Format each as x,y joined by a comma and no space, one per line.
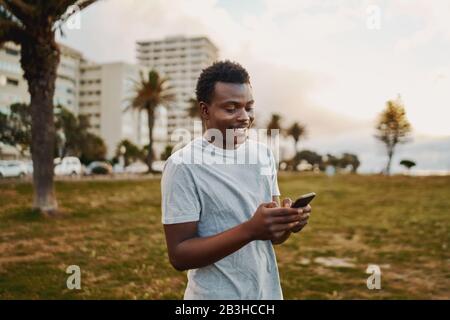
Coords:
304,213
304,217
271,222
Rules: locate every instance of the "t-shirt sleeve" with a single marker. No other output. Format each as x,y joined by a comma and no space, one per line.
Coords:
273,166
180,201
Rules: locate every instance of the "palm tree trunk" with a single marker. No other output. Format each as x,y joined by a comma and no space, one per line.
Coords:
40,60
151,122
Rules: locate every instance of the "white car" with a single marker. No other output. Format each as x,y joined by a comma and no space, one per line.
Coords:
29,167
68,166
137,167
12,168
158,166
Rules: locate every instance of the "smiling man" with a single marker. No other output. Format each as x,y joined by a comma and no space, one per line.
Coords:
221,218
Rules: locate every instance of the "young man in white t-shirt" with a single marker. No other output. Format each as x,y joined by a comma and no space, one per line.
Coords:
220,207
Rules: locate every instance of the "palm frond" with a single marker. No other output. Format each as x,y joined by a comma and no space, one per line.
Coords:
22,10
11,31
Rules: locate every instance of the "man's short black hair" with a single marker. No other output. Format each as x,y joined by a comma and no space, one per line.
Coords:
220,71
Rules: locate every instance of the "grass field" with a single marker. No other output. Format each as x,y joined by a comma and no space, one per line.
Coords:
112,230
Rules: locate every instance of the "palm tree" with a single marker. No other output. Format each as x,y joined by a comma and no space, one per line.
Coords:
149,94
32,25
193,109
297,131
274,123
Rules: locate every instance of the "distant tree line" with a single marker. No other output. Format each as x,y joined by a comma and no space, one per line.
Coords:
72,133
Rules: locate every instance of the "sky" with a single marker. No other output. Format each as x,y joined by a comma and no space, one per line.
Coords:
331,64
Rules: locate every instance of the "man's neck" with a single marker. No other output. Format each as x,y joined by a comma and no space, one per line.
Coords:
222,145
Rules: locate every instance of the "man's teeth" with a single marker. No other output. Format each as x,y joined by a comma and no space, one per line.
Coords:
240,130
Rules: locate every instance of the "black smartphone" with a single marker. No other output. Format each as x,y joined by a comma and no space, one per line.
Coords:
304,200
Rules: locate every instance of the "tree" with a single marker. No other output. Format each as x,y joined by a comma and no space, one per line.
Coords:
274,123
408,164
332,161
392,128
32,25
75,130
193,109
92,149
309,156
349,159
79,141
149,94
297,131
131,152
15,128
167,152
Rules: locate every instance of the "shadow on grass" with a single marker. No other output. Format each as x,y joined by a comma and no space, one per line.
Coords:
24,215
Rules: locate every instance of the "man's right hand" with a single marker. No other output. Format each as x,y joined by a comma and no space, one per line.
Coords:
269,220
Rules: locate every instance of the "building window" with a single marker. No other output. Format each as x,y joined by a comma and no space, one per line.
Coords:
12,82
12,52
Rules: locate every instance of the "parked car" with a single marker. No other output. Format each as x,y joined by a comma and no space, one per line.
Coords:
118,168
68,166
29,167
136,167
12,168
158,166
99,167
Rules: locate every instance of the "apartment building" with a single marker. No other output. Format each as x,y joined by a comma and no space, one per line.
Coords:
180,59
106,91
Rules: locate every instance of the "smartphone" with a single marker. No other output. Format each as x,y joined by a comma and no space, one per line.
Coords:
304,200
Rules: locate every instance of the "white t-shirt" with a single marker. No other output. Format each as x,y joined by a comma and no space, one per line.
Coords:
220,189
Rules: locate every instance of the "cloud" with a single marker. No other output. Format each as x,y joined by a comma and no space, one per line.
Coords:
315,60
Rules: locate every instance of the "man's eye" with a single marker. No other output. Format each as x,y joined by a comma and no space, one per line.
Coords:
230,110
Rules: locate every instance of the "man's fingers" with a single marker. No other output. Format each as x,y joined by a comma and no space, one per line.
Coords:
286,219
285,211
307,208
287,202
299,227
271,204
304,217
284,227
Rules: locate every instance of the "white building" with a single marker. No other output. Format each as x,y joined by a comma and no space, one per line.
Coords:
101,91
14,88
106,91
68,79
181,59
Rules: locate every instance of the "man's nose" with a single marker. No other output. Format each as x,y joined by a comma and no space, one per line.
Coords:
243,116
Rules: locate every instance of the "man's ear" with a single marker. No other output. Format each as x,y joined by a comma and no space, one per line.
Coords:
204,110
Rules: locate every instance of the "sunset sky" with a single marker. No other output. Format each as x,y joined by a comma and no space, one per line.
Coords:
313,61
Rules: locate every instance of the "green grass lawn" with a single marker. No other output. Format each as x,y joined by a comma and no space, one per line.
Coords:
112,230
